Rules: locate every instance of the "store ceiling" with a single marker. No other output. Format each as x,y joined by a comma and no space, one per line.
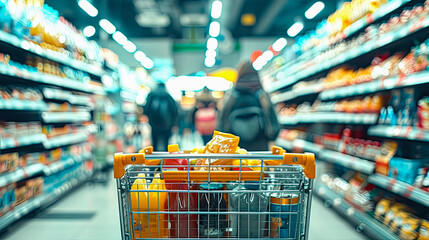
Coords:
189,19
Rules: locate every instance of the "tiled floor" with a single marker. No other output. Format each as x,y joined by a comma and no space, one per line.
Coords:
91,213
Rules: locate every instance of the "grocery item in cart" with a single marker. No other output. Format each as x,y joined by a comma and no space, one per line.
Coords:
283,217
147,224
220,143
212,225
247,198
138,200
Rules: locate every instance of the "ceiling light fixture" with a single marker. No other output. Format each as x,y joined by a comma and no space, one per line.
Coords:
214,29
212,43
139,56
295,29
88,8
279,44
267,55
147,63
211,53
89,31
107,26
130,47
315,9
209,62
120,38
216,9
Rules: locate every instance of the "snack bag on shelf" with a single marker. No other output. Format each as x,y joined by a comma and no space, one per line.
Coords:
381,209
388,150
393,212
424,230
409,226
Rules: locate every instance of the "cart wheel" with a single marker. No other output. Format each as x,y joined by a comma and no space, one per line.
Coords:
328,203
360,227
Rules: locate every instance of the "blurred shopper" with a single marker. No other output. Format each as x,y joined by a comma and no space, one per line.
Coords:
163,114
248,112
204,115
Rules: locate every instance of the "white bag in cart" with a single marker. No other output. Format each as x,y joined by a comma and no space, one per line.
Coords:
191,139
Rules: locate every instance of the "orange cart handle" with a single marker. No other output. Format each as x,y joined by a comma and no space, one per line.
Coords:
306,160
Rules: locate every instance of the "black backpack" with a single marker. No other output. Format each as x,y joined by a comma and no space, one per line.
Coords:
162,111
247,119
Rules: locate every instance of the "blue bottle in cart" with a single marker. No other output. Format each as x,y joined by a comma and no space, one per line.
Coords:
283,225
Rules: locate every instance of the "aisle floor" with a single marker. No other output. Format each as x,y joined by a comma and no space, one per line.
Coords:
90,213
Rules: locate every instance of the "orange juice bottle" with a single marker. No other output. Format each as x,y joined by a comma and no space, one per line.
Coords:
157,222
139,203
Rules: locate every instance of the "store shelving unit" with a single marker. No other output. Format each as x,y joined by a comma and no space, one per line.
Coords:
304,72
376,86
329,117
400,188
39,201
66,139
26,140
35,49
354,28
296,93
400,132
362,221
65,117
20,174
26,105
345,160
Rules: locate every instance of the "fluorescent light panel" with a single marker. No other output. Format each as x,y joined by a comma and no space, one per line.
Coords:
89,31
279,44
315,9
107,26
211,53
214,29
212,43
209,62
120,38
139,56
216,9
130,47
88,8
147,63
295,29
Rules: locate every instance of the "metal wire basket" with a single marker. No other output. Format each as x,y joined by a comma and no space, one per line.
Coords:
257,195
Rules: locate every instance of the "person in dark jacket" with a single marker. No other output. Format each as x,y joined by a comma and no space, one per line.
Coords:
247,111
163,114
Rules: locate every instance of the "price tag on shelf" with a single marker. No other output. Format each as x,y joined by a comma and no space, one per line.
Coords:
408,191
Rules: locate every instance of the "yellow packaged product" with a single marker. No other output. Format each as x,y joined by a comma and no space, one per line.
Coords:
394,210
382,208
220,143
424,230
409,226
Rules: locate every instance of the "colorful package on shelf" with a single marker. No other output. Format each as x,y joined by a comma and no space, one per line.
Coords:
8,162
361,194
424,230
382,208
423,113
388,150
51,156
29,158
7,198
404,170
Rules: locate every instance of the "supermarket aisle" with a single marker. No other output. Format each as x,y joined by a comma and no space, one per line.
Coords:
90,213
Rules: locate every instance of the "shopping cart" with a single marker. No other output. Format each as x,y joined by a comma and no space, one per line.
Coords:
257,195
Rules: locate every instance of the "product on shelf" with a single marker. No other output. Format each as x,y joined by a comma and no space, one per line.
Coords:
20,93
404,170
42,25
8,162
423,113
27,189
7,198
401,109
18,129
424,230
382,160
